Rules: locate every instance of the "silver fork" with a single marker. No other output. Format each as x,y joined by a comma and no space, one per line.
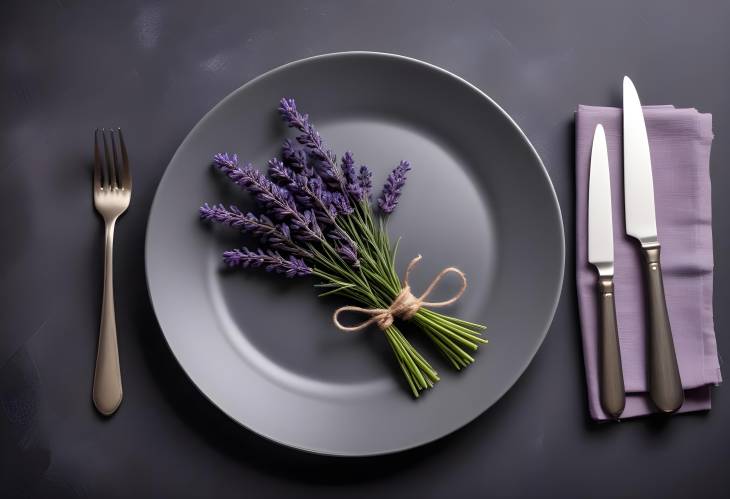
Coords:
112,191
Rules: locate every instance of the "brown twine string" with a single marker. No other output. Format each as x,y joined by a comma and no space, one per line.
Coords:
405,304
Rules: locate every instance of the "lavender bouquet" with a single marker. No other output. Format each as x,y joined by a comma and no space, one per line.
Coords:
316,219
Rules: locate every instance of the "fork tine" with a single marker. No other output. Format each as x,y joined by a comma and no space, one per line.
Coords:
115,157
97,161
111,174
126,177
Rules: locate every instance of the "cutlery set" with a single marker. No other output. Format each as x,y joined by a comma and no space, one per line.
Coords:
665,387
112,192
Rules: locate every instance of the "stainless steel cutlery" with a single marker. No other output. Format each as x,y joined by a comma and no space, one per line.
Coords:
665,385
112,192
600,254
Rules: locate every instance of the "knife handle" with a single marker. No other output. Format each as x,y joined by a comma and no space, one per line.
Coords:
665,385
613,395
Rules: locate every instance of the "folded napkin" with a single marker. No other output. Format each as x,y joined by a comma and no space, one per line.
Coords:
680,141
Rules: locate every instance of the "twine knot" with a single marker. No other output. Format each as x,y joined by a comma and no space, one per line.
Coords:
405,305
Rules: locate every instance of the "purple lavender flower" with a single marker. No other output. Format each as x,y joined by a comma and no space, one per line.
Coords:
345,246
324,160
297,185
274,198
392,189
234,217
277,200
277,236
309,193
270,260
365,181
348,253
317,188
296,158
225,162
307,228
347,164
281,173
341,204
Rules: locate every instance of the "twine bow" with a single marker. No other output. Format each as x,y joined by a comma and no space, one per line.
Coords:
404,306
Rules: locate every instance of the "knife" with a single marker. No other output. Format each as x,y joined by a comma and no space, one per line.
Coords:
600,254
665,385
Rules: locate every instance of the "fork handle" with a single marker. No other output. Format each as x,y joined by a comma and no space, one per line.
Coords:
107,391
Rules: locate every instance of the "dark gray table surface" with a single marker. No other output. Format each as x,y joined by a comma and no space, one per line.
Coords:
154,69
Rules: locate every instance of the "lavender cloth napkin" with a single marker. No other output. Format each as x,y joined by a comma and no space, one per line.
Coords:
680,141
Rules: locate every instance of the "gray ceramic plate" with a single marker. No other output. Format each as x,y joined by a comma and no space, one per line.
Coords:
263,348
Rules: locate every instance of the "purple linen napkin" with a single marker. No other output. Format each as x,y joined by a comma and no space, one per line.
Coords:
680,141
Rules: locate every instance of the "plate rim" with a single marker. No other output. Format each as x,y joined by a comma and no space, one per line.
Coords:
392,56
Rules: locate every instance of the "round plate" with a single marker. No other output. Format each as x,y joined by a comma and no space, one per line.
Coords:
263,348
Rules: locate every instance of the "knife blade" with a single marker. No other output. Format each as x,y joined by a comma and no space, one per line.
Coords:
600,254
665,385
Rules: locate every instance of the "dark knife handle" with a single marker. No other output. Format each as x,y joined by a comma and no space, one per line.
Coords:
665,385
613,394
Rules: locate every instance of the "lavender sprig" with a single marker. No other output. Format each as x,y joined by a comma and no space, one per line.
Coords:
278,201
325,162
277,236
365,182
392,189
270,260
348,167
347,163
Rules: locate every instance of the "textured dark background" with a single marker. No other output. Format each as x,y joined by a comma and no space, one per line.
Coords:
154,69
